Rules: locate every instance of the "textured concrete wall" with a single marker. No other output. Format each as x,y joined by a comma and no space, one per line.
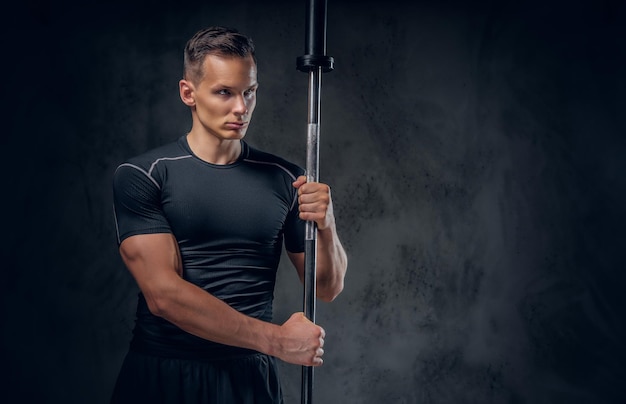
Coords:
475,153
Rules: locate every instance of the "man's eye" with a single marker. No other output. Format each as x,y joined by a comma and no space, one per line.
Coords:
250,93
223,92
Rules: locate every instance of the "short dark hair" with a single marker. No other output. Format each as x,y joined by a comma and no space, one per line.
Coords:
220,41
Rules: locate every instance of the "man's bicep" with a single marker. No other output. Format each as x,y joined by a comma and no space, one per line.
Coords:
150,257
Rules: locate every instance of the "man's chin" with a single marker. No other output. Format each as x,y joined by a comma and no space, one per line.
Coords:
233,135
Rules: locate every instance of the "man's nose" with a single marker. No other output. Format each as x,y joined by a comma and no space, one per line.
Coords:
240,108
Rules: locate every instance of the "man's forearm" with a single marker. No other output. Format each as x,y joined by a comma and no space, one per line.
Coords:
297,341
332,264
202,314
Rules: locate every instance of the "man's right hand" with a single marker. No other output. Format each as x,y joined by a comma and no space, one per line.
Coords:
300,341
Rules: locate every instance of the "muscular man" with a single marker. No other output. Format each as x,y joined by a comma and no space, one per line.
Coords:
201,224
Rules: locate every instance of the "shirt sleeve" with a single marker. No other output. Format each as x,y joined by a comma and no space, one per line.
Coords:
294,229
137,203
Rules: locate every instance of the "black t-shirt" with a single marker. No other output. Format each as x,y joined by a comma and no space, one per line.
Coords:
229,220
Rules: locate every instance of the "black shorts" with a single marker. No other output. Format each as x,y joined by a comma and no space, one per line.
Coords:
250,379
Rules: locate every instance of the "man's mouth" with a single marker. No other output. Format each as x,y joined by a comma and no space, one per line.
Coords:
236,125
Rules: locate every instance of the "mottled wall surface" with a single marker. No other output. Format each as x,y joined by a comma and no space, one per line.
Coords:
475,153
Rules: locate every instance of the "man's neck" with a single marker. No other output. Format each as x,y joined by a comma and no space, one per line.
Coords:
214,150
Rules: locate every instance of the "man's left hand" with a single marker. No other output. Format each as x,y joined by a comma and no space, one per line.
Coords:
315,202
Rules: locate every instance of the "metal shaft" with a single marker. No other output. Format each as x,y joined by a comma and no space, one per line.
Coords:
310,252
314,62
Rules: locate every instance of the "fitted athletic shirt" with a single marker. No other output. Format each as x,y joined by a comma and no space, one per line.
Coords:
230,222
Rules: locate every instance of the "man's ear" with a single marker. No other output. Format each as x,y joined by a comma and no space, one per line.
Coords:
186,90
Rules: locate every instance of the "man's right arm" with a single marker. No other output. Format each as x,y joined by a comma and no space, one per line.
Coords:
155,263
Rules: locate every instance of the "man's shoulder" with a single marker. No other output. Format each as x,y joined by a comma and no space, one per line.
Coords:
256,156
168,151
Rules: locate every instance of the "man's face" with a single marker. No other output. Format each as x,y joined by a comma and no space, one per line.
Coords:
226,96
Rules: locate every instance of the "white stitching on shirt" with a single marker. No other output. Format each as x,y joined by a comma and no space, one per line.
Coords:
141,170
166,158
149,172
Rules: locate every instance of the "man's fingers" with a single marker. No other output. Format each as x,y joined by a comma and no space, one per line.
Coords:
317,359
301,180
320,351
313,188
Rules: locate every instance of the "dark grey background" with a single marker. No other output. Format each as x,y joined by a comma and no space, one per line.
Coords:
475,151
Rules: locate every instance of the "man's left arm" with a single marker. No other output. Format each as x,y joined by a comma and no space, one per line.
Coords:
316,205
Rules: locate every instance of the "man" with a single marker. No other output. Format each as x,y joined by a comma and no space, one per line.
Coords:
200,225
